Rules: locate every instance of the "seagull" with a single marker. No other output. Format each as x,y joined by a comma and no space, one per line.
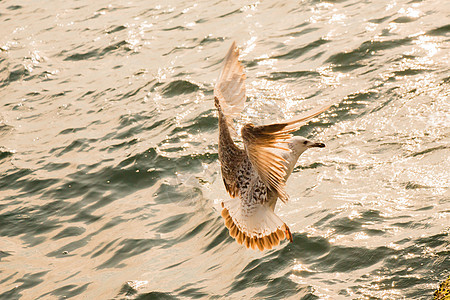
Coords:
255,177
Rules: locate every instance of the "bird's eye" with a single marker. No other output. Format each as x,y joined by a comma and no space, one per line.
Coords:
305,142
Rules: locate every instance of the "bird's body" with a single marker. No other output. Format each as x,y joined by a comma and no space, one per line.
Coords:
255,176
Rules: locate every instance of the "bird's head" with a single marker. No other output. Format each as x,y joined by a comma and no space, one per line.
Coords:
300,144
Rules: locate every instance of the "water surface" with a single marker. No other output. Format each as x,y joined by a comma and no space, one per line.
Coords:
110,183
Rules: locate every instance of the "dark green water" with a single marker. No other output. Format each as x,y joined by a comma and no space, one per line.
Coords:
109,180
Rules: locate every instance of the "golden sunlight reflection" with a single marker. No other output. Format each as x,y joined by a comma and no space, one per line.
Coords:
428,44
370,27
137,284
249,46
264,60
136,35
275,94
33,60
318,12
361,236
337,18
298,267
409,12
394,246
330,78
391,5
392,27
186,10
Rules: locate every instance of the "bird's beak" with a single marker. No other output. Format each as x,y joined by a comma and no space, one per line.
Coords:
318,145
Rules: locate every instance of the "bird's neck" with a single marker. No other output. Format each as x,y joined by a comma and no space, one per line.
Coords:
225,139
227,148
291,159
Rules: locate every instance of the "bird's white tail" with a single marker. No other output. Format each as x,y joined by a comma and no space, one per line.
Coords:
258,227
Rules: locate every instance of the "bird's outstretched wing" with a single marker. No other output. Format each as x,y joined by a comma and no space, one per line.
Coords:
230,88
265,145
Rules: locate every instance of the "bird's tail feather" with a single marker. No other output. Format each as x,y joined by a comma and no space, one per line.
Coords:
256,228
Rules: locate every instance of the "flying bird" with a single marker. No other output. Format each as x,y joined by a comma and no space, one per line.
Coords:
255,177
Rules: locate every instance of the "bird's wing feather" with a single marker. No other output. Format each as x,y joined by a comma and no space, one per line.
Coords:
230,88
265,146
